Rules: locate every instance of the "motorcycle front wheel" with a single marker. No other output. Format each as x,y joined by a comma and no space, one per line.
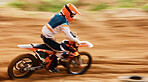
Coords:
17,65
79,64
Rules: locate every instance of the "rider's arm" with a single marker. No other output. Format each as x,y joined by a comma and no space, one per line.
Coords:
69,34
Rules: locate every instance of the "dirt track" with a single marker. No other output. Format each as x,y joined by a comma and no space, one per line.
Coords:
119,37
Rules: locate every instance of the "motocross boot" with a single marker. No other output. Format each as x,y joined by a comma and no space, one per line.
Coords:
54,70
53,66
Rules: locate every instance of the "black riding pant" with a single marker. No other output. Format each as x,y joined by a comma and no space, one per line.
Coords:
51,43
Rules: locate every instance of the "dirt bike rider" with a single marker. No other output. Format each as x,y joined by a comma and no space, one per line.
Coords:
60,22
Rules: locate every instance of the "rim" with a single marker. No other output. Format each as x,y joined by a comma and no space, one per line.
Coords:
78,64
18,68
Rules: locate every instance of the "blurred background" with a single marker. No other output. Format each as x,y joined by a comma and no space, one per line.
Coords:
117,28
55,5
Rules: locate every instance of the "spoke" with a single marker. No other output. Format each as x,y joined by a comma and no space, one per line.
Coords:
78,64
18,69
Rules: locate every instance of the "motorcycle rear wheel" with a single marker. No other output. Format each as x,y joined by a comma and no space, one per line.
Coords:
80,64
15,68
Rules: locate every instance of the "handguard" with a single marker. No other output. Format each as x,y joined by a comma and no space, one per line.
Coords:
85,43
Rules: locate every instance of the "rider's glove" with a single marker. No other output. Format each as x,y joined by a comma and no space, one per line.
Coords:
78,42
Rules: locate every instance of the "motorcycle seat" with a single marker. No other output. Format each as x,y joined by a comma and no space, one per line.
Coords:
41,46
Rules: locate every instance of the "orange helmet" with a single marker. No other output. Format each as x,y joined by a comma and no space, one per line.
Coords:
69,10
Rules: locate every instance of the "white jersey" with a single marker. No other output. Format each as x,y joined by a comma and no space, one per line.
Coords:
49,32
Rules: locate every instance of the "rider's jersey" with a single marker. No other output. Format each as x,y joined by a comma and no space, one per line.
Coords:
57,24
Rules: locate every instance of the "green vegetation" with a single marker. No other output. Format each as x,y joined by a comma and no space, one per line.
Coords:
20,4
100,7
41,5
121,4
127,3
56,5
145,7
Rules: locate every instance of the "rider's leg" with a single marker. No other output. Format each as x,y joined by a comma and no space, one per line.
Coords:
59,48
54,46
50,42
68,47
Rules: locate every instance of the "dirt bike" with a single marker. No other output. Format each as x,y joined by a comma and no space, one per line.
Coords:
24,65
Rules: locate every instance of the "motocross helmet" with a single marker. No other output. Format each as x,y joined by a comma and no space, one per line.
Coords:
69,10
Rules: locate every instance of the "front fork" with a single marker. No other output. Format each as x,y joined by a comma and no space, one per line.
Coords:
78,62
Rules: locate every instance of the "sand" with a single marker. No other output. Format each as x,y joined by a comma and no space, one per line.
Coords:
120,39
